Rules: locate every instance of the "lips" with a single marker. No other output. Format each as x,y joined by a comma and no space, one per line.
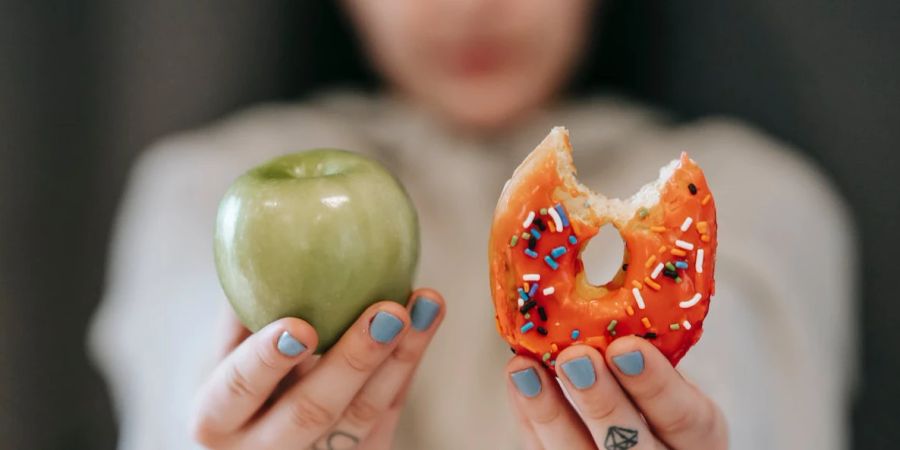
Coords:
476,59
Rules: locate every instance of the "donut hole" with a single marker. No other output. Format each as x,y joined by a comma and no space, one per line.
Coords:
603,256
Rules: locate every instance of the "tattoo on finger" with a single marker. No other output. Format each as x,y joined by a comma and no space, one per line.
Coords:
337,440
620,438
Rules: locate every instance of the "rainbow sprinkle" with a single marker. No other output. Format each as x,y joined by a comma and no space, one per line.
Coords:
562,214
638,298
528,220
550,262
557,219
691,302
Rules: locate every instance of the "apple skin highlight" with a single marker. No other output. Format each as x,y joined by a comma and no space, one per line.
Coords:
319,235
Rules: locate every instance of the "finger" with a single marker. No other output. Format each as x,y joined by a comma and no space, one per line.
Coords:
246,377
607,411
426,310
313,405
529,439
382,436
541,401
678,412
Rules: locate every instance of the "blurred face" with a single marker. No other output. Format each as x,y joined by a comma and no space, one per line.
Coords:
478,63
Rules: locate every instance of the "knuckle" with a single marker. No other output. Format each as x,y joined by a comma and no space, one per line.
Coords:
237,383
697,420
307,413
362,411
359,362
404,354
597,410
544,416
681,420
652,392
267,359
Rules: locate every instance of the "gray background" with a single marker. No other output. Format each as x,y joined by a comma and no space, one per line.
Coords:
84,86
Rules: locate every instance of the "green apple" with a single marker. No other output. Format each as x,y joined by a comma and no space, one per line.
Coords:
319,235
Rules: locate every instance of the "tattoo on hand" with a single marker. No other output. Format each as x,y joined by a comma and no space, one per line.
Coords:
337,440
620,438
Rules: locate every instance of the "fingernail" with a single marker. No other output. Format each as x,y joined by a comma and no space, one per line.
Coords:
527,382
423,313
384,327
289,345
631,363
580,372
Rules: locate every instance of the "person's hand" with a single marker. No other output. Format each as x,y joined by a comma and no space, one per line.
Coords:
271,393
632,399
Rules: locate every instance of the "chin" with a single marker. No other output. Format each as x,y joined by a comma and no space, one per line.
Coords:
483,112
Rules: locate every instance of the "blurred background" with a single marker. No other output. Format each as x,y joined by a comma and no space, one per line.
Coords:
86,85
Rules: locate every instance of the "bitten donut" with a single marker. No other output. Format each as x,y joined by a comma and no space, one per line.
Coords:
543,221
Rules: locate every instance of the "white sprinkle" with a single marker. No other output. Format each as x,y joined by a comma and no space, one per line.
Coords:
531,277
521,302
549,290
686,325
699,262
656,271
528,220
693,301
556,219
638,298
684,245
687,223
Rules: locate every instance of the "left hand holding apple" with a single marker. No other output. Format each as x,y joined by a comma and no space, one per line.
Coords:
270,392
630,399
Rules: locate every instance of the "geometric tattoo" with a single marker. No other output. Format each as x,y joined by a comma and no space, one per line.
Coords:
338,440
618,438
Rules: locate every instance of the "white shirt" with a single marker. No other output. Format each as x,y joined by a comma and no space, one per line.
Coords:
778,352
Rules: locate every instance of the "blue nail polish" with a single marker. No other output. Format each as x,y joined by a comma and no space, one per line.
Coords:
385,327
527,382
290,346
631,363
423,313
580,372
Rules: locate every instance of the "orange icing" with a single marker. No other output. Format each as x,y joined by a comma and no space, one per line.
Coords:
576,304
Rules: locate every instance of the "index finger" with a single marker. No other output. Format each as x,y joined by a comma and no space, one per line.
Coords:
318,400
243,381
678,412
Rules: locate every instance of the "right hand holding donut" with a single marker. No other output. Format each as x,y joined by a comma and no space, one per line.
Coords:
271,393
